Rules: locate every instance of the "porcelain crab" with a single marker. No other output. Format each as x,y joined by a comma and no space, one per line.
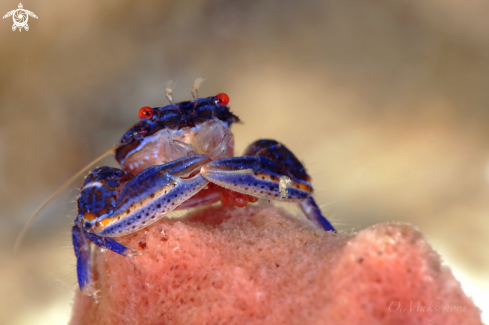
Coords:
177,157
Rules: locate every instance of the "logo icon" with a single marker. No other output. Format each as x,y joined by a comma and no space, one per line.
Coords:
20,16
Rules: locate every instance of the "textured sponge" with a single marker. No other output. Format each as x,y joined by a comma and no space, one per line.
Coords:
259,265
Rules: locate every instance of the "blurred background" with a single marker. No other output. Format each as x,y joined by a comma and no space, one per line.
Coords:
386,103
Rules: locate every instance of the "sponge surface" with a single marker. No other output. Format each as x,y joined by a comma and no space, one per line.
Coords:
259,265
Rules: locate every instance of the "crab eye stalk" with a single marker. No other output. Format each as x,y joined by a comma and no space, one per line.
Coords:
222,99
145,112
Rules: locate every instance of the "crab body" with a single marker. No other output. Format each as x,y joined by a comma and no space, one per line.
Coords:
177,157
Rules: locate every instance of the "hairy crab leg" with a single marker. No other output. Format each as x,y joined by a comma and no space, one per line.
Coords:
288,162
81,244
313,213
151,194
82,253
267,170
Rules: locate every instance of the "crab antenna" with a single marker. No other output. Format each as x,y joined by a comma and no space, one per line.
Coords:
169,86
195,87
19,239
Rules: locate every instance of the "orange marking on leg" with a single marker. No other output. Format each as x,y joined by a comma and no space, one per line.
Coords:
302,186
89,216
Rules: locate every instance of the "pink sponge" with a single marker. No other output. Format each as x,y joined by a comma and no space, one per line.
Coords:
258,265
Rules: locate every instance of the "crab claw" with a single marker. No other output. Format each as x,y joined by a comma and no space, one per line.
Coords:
257,176
152,194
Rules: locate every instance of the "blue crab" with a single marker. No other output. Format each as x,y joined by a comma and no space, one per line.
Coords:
177,157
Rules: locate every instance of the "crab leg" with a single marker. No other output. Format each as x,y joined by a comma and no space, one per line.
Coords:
151,194
81,243
313,213
82,253
267,170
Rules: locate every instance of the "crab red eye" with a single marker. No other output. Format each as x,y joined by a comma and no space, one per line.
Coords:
145,112
222,99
